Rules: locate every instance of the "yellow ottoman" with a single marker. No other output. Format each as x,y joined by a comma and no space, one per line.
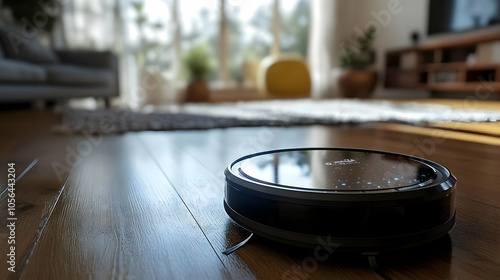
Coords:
284,76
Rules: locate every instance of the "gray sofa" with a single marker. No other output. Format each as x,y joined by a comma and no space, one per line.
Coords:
31,72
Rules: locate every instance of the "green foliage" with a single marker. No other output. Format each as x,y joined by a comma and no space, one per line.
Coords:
294,35
295,29
142,18
294,38
197,62
138,6
360,55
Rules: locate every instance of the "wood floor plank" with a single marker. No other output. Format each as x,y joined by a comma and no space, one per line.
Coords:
119,218
21,167
17,129
477,199
203,192
37,191
149,205
492,129
451,134
36,195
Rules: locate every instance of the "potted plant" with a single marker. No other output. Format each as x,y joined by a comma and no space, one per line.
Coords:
356,78
198,64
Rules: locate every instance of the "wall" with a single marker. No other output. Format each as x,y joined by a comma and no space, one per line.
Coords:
394,19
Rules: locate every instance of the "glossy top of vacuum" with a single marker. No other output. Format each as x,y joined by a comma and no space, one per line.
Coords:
337,170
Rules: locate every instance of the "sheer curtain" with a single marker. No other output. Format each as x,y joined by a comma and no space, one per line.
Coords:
321,53
92,24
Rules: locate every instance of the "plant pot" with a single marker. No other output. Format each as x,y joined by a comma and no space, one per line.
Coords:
356,83
197,91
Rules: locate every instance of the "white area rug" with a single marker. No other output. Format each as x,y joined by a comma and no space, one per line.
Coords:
265,113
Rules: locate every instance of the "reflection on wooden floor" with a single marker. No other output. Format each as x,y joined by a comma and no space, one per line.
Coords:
468,136
148,205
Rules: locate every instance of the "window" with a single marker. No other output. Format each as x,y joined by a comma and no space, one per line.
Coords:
150,33
237,33
199,24
250,37
295,26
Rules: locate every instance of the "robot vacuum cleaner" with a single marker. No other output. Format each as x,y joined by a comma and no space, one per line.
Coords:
360,200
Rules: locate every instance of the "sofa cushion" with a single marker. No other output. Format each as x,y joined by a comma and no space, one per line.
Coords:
18,71
25,47
66,74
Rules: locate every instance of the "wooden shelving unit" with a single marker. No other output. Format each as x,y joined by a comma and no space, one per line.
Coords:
443,66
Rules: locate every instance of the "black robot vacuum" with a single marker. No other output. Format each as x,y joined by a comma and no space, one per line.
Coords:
361,200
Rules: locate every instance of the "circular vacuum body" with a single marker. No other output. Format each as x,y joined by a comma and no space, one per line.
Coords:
358,200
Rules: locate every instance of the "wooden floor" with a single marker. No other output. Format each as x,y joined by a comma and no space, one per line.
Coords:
148,205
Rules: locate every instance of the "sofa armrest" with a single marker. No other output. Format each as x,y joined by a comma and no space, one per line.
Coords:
93,59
